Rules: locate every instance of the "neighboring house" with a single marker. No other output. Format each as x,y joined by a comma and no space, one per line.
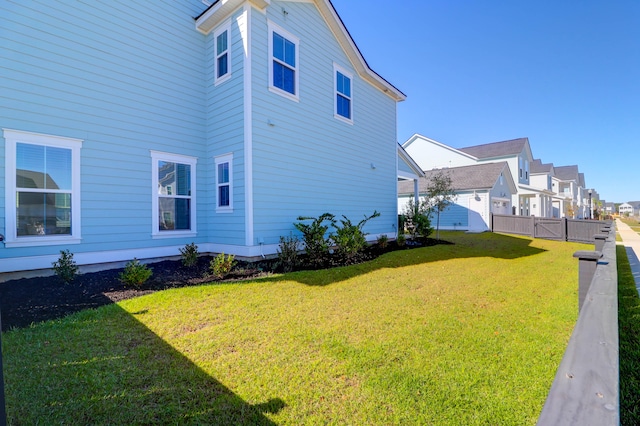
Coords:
609,208
625,209
146,126
635,205
569,199
481,189
541,177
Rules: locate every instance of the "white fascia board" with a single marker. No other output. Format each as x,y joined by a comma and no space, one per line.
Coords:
221,10
404,155
418,136
357,60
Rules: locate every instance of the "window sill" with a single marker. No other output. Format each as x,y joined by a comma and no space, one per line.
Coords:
284,93
173,234
343,119
222,79
41,241
224,210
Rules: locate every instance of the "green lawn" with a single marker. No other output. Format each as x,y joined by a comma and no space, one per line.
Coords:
462,334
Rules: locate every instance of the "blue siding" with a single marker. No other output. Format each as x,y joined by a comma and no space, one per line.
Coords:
125,77
309,162
225,134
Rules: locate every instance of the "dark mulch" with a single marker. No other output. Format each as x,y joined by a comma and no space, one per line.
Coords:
30,300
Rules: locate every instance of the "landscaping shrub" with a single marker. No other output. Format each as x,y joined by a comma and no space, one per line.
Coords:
288,258
65,267
383,241
349,238
316,245
221,265
401,240
135,274
189,255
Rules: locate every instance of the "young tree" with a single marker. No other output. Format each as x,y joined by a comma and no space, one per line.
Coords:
440,194
417,216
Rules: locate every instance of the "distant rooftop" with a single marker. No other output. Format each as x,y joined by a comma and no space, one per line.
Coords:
496,149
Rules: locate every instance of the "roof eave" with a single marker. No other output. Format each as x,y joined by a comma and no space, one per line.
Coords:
219,11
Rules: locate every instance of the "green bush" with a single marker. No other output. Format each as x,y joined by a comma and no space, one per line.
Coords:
189,255
65,267
401,241
288,257
349,238
316,245
221,265
383,240
135,274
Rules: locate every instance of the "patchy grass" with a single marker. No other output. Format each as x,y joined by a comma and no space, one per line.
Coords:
629,330
463,334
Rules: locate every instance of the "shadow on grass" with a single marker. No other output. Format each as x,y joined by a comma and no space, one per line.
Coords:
464,246
105,367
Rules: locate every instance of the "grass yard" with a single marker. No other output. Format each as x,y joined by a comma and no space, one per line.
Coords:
463,334
633,224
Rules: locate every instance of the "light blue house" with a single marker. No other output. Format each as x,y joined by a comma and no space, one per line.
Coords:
130,129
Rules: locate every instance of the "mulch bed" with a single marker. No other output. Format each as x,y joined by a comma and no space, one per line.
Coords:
31,300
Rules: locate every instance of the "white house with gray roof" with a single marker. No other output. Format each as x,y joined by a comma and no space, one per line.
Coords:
481,189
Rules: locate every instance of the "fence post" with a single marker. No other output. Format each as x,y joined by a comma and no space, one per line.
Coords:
565,232
588,261
600,240
533,226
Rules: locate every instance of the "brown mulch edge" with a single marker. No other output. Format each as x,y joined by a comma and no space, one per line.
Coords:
28,301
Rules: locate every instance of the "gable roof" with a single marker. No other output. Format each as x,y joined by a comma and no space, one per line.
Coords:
567,173
220,9
409,161
538,167
497,149
465,178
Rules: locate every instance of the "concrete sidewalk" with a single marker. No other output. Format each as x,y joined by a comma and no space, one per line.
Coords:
631,242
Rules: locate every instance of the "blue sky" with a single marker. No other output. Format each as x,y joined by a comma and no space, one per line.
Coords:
565,74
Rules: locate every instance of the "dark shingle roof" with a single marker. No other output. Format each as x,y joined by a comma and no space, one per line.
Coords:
496,149
478,176
537,166
567,173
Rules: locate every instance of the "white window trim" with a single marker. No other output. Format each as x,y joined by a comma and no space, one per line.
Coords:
12,138
220,159
157,156
295,40
224,27
337,68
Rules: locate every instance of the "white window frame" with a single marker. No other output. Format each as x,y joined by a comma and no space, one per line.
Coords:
12,138
296,69
338,69
226,27
156,157
221,159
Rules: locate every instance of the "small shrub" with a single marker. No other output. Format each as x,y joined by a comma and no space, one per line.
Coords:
349,238
316,245
288,257
135,274
65,267
189,255
383,241
221,265
401,241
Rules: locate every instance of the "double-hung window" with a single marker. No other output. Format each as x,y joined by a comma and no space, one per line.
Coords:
42,189
223,53
283,67
224,183
174,192
343,94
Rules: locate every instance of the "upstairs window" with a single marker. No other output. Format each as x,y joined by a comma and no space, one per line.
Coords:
42,189
343,98
283,67
174,194
223,62
224,177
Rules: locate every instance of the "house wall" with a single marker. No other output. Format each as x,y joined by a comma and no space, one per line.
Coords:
306,141
430,154
226,131
125,77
